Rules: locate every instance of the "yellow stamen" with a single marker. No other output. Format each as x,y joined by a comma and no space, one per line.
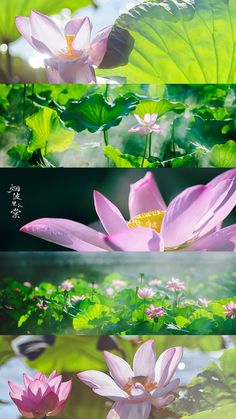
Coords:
69,40
150,219
145,381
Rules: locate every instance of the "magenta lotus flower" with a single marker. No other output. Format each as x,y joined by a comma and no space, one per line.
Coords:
154,312
77,298
42,396
135,391
203,302
230,310
42,305
67,285
146,125
72,54
144,293
192,221
175,285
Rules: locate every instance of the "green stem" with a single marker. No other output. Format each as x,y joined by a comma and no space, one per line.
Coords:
145,150
106,93
233,326
141,279
106,141
24,102
144,306
105,137
173,141
136,300
9,64
150,145
92,291
94,4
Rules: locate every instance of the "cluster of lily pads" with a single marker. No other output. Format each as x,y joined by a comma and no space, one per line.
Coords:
178,125
115,306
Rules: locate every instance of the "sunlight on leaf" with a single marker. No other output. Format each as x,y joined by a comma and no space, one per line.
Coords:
49,132
224,155
189,41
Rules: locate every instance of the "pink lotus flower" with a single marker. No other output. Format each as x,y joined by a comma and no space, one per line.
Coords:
154,312
72,53
110,291
146,125
118,284
42,396
175,285
67,285
135,391
42,305
203,302
27,284
191,222
77,298
144,293
230,310
155,282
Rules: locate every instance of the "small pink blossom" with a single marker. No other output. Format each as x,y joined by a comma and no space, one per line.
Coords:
67,285
146,125
203,302
136,390
77,298
27,284
155,282
230,310
41,395
175,285
17,290
42,305
183,304
110,291
118,284
9,307
145,293
154,312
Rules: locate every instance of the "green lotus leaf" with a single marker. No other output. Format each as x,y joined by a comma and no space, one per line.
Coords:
49,133
96,113
184,41
226,411
224,155
161,107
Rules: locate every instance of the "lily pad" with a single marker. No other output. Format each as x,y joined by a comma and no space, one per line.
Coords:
224,155
184,41
49,133
96,113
